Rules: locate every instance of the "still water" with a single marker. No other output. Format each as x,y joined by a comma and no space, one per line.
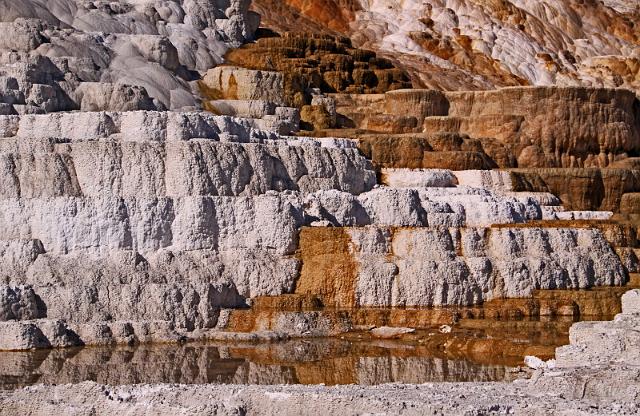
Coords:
485,344
475,350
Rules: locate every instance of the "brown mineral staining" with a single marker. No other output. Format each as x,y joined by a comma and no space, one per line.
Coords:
288,302
630,203
398,152
555,305
459,51
559,127
402,317
322,15
315,117
416,103
209,94
587,131
328,267
457,160
498,332
621,232
466,58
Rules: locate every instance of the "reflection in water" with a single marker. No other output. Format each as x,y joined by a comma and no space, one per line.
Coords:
327,361
482,346
476,350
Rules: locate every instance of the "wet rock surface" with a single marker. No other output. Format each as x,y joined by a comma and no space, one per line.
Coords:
356,359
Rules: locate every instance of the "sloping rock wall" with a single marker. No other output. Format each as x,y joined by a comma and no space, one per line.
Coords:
583,189
471,45
390,267
146,226
558,127
116,56
517,127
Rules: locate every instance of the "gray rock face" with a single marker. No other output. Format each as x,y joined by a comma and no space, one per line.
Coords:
21,336
147,217
135,226
64,225
116,56
179,169
439,267
20,303
411,178
242,84
148,126
157,155
631,302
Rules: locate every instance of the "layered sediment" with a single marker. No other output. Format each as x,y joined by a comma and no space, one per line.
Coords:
518,127
174,260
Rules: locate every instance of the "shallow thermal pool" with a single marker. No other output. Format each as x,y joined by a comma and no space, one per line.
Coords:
472,348
475,350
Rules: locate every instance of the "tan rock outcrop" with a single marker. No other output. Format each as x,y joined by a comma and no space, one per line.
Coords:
233,83
630,203
583,189
322,62
424,151
559,127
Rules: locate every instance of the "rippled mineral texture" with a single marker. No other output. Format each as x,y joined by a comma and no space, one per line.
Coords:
479,45
181,171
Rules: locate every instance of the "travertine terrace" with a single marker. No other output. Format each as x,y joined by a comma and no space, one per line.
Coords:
175,172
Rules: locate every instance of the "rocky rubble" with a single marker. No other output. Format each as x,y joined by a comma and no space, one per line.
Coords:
612,342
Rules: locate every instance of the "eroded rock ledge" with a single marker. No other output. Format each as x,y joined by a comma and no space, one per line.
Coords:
150,226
